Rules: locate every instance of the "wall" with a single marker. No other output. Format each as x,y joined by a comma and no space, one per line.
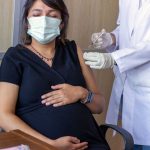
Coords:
6,9
86,17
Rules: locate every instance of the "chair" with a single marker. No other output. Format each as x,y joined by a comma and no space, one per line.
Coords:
127,138
1,130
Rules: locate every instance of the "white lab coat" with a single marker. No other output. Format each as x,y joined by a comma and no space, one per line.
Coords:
132,73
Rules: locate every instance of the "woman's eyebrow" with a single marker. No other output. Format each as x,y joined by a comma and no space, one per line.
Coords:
40,10
37,10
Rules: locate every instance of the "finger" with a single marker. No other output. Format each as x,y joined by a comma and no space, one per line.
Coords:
62,103
83,148
90,58
93,59
58,86
57,92
95,67
90,55
98,36
97,46
74,140
91,63
98,41
51,102
81,145
95,36
53,97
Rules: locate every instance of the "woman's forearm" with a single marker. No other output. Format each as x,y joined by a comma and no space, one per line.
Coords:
11,122
97,104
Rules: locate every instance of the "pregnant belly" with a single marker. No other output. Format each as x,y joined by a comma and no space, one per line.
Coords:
70,120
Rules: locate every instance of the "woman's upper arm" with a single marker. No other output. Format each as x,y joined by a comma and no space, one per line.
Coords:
8,97
87,73
10,79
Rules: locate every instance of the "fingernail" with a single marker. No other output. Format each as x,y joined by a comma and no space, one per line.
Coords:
43,97
47,104
42,102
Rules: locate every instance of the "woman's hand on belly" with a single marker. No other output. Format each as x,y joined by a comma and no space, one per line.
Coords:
64,94
69,143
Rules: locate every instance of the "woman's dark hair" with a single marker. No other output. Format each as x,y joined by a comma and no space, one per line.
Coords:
56,4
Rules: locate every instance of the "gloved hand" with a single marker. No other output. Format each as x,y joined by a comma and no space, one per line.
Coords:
98,60
101,40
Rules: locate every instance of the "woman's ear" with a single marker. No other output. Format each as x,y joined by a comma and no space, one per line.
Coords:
28,26
61,26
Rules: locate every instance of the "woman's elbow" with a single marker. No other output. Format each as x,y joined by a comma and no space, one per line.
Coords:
4,119
99,105
1,119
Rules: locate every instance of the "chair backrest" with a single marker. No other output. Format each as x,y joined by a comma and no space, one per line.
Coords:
127,137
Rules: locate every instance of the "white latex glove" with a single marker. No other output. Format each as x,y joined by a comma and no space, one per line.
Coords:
101,40
98,60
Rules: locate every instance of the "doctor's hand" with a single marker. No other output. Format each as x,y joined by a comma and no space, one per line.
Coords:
98,60
102,40
64,94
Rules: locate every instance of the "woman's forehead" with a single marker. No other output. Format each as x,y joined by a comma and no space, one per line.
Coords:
41,6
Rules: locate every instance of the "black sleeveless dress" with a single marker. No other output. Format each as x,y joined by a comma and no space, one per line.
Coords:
22,67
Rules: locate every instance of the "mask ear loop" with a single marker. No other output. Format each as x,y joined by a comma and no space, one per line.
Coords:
61,26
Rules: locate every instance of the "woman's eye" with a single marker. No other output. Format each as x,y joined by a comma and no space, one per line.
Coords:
36,15
54,16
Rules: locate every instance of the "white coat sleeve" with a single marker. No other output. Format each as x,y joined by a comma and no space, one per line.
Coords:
130,58
139,53
114,47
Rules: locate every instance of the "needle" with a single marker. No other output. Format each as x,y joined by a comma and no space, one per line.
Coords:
103,31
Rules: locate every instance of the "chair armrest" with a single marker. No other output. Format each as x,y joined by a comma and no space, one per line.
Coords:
1,130
127,137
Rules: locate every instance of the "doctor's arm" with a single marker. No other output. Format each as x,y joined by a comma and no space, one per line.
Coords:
98,60
130,58
126,59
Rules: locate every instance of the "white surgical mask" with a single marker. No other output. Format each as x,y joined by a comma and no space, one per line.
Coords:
44,29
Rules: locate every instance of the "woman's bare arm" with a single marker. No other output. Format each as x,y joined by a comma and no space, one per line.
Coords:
8,119
98,103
